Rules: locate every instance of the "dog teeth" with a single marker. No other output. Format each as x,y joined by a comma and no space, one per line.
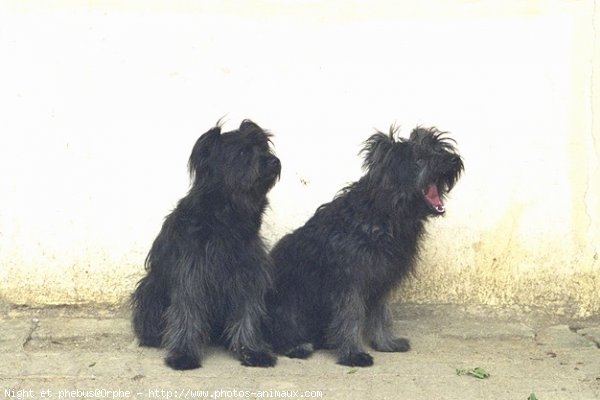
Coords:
440,208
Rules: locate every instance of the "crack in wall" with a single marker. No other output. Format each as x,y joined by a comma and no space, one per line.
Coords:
594,167
576,330
592,339
34,326
594,151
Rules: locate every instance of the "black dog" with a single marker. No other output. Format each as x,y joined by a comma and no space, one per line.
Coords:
334,274
208,269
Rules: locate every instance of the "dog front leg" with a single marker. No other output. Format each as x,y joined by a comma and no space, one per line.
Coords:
379,329
345,331
185,334
243,332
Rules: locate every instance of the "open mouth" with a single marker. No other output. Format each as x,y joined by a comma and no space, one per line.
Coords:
433,200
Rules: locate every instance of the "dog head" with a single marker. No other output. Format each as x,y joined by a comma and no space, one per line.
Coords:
422,168
240,161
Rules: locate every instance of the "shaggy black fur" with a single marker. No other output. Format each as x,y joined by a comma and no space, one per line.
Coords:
208,270
333,276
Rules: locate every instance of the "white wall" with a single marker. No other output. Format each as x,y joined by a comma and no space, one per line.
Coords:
100,104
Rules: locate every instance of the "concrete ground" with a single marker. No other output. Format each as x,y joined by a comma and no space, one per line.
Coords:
90,353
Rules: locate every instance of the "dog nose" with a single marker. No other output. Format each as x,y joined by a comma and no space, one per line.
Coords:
457,163
274,162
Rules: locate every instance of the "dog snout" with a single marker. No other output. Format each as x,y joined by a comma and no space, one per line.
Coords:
273,165
457,165
274,162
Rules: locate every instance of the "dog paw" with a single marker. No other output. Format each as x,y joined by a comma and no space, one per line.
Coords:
356,360
182,362
303,350
258,358
395,345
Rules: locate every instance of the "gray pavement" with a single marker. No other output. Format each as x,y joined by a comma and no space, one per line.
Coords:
90,353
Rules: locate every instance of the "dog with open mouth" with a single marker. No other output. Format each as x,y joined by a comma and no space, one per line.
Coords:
334,275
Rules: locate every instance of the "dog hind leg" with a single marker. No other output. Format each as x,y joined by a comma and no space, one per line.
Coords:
287,326
149,304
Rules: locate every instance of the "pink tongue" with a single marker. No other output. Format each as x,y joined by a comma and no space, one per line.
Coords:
433,197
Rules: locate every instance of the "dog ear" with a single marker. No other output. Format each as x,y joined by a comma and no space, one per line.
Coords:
254,131
249,125
434,138
376,149
206,146
419,133
430,136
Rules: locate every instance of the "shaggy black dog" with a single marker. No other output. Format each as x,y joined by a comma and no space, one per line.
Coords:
208,270
334,275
